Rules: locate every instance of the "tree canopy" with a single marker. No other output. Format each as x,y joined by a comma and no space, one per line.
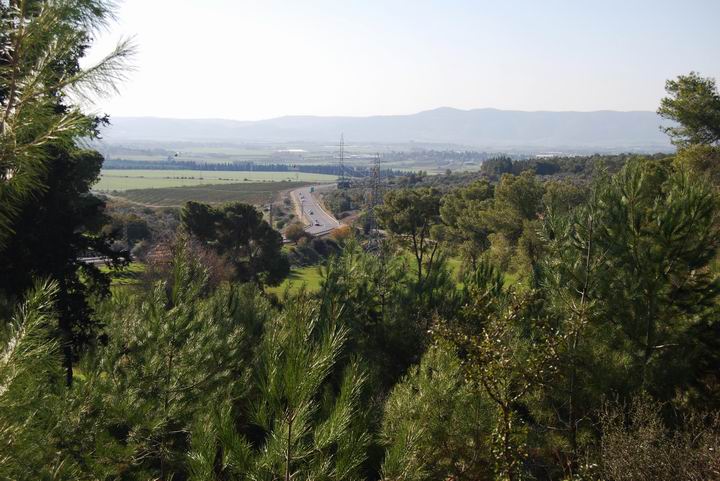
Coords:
238,231
694,103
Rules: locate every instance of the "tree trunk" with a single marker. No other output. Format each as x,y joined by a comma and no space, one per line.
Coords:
288,455
507,445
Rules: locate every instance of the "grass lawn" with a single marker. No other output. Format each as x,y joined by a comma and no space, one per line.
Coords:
121,179
307,276
125,277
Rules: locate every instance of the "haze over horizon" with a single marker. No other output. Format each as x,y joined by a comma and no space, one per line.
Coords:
367,116
254,60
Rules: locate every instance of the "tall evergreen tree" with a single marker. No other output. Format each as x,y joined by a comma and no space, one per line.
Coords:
694,103
47,217
40,76
659,234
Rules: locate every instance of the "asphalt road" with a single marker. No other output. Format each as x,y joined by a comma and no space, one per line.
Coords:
316,219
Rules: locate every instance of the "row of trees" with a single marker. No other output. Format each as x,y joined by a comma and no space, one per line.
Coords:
328,169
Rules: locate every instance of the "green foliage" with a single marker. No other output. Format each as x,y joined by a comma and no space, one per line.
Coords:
392,369
40,77
517,199
659,234
570,274
521,194
626,279
375,299
564,196
462,212
306,430
62,225
694,103
409,215
437,425
702,160
172,352
508,350
47,218
343,200
497,166
239,231
31,393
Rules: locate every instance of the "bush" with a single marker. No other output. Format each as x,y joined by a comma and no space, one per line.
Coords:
341,234
295,232
637,445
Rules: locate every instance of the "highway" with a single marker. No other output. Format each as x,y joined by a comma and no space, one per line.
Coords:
317,221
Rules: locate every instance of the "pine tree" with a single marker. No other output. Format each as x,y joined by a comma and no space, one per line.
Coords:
296,423
172,353
659,235
30,406
436,424
570,275
40,85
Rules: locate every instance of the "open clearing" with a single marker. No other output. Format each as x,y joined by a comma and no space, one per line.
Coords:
121,180
308,278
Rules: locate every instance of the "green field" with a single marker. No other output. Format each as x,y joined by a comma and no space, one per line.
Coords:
121,180
249,193
128,276
309,277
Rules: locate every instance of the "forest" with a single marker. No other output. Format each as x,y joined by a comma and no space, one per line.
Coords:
512,325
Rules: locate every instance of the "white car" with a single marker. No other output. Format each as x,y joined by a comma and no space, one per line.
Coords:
317,223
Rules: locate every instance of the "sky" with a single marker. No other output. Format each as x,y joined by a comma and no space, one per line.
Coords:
258,59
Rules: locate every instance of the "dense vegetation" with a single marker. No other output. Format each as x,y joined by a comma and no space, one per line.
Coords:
579,340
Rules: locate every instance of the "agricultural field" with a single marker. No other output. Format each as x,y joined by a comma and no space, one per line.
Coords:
249,193
112,180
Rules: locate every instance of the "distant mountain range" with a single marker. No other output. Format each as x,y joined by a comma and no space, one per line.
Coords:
488,129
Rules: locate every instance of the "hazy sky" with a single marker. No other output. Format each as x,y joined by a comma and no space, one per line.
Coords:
254,59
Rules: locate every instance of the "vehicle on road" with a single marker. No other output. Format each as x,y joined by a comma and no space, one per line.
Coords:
318,222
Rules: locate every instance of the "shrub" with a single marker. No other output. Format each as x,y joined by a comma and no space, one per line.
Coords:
637,445
295,232
341,234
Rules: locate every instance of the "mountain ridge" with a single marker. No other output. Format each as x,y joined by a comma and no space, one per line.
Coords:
486,128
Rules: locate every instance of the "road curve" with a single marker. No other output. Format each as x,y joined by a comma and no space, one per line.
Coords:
316,219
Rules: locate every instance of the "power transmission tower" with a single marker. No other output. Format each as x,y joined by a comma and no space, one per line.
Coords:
343,183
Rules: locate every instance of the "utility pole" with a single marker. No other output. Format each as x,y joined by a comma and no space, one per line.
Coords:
343,183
